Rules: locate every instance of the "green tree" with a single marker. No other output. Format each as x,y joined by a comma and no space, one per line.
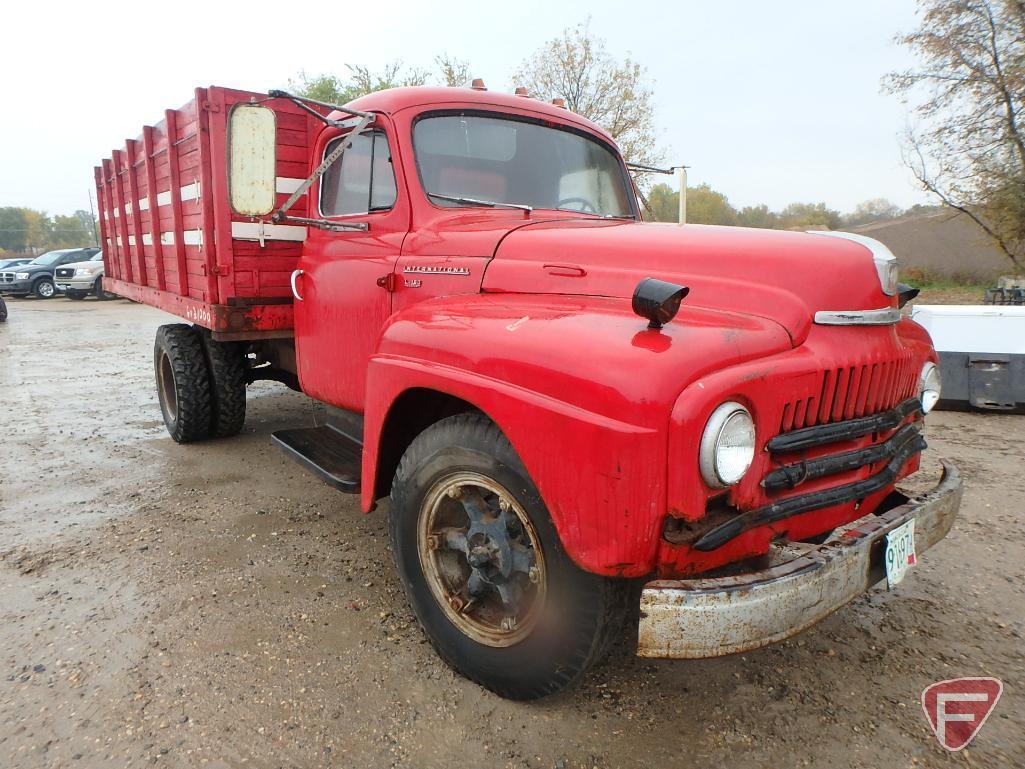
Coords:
708,206
360,80
757,216
875,210
969,93
664,203
615,94
71,231
13,229
801,216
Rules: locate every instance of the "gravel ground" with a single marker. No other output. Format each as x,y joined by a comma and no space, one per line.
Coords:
215,605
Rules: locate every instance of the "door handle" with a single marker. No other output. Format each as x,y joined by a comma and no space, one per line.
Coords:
295,291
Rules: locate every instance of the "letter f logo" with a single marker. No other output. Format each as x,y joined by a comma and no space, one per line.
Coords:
957,709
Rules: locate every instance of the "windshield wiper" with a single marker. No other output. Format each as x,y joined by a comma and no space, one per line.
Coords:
475,202
593,213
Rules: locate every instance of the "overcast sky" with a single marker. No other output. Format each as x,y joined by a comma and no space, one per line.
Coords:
768,102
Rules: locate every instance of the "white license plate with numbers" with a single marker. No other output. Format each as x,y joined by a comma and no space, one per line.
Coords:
900,552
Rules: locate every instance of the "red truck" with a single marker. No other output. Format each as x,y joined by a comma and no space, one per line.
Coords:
559,399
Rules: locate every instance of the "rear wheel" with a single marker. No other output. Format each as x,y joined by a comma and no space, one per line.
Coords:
99,292
485,570
183,383
44,288
226,364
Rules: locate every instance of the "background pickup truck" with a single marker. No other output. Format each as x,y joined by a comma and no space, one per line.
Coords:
37,277
558,398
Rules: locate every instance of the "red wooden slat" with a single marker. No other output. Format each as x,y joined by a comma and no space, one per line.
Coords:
209,247
122,220
154,209
108,258
108,196
217,125
171,130
133,190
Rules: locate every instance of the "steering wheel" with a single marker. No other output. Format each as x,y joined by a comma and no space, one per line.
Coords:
586,206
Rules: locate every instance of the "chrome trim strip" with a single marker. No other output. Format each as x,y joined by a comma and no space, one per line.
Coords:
881,255
884,317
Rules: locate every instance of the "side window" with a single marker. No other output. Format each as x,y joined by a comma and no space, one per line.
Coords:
362,181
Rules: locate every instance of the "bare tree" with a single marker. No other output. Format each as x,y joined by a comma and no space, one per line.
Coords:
454,72
968,92
614,94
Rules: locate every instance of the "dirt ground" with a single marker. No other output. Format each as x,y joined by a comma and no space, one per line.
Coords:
214,605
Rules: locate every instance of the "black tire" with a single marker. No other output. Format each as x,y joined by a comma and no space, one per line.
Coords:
3,310
100,293
44,288
582,613
226,364
183,383
72,293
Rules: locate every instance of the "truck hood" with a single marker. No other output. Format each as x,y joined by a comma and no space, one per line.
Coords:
782,276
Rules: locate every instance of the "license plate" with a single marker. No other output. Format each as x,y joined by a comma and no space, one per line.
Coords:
900,552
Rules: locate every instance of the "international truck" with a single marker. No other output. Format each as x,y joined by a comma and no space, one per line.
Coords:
561,402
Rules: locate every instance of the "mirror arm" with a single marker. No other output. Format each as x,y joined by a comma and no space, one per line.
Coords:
303,103
326,224
280,215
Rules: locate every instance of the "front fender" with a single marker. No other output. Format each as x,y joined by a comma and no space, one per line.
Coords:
582,390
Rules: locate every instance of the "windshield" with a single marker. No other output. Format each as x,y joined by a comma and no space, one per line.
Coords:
48,259
472,159
97,257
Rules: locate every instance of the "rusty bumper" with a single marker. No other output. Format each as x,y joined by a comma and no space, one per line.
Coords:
709,617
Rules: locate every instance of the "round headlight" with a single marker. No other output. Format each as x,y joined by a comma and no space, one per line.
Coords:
929,387
727,445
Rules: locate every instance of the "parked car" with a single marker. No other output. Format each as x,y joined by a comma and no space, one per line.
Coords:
16,261
36,277
79,279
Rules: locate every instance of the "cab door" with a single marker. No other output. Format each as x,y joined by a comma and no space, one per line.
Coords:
341,286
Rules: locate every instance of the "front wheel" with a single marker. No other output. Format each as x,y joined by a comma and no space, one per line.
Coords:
44,288
100,292
484,568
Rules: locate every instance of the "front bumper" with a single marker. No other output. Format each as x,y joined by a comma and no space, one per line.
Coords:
16,287
710,617
76,284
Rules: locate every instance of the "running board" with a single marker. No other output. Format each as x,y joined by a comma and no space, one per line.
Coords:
325,451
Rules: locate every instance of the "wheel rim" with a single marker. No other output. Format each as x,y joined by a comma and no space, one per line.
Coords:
46,289
482,559
168,392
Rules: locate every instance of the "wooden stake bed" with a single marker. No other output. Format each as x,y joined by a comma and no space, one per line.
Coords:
169,236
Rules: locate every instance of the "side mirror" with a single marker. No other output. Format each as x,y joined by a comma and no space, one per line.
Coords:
252,155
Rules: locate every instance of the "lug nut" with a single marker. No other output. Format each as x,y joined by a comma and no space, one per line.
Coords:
508,623
503,504
432,542
534,575
455,492
456,603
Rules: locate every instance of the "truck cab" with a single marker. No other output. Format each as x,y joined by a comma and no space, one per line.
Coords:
558,398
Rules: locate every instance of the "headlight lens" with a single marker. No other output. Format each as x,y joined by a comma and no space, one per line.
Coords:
929,387
84,271
21,276
727,445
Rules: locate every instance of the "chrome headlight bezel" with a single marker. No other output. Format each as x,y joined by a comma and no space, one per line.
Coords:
726,417
930,385
22,275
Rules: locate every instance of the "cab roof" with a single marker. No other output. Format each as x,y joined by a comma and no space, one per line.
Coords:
393,100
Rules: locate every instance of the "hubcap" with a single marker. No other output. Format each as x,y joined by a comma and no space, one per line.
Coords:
168,393
482,558
46,289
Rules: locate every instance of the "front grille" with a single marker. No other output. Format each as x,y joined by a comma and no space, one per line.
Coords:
853,391
64,272
6,277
